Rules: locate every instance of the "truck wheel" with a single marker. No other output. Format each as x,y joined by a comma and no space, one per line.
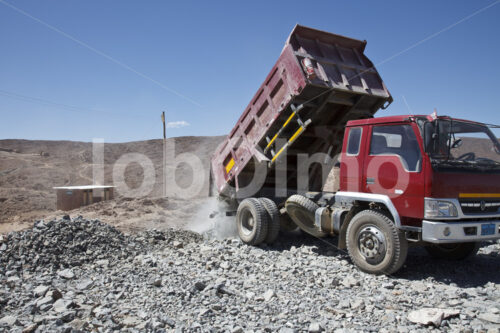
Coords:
252,221
286,223
302,211
273,219
374,243
452,251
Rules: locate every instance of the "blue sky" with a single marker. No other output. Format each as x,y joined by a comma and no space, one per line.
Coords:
216,54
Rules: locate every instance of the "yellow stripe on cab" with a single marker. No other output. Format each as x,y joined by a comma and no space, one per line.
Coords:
479,195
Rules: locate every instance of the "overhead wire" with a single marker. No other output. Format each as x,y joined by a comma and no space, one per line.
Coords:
67,107
102,54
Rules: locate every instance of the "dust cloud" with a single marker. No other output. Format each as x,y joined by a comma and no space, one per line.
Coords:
211,221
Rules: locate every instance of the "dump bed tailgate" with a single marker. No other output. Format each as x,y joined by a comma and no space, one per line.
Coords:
320,81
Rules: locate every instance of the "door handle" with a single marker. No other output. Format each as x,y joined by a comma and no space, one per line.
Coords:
370,181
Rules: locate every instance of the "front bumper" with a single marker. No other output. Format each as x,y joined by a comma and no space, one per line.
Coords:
459,232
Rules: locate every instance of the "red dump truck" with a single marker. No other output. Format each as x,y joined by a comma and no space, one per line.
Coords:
401,180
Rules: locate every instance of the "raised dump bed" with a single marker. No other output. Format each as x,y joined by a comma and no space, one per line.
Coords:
320,81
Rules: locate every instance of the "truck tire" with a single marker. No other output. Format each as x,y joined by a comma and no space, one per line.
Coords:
273,220
452,251
374,243
252,221
302,211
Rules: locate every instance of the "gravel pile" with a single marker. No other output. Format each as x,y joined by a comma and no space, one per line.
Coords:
63,244
177,281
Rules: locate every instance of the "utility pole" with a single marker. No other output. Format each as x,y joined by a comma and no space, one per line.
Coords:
163,121
164,155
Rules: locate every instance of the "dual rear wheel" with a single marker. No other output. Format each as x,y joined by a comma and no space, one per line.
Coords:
258,221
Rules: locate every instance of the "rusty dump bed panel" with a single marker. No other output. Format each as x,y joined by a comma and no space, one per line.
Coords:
320,81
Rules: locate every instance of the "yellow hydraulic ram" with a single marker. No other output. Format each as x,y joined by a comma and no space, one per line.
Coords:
292,139
295,111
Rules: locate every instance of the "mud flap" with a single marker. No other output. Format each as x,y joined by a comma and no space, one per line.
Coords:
342,243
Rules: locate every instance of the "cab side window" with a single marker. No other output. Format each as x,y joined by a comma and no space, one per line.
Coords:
354,141
397,140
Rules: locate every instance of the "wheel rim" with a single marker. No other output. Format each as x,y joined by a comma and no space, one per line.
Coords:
247,222
372,244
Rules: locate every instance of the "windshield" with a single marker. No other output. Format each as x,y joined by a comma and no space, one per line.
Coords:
459,142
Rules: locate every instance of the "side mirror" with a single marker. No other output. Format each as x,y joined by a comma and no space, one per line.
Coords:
457,143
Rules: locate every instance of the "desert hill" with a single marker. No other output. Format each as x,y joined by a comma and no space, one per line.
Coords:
29,170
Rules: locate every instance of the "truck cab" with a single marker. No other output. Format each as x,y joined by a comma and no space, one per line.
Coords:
437,179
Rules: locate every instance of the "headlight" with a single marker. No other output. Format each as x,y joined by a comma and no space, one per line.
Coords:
438,208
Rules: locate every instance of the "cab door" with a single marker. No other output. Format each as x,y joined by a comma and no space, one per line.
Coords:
352,159
394,167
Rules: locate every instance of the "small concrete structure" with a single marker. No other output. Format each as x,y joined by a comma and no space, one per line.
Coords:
71,197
